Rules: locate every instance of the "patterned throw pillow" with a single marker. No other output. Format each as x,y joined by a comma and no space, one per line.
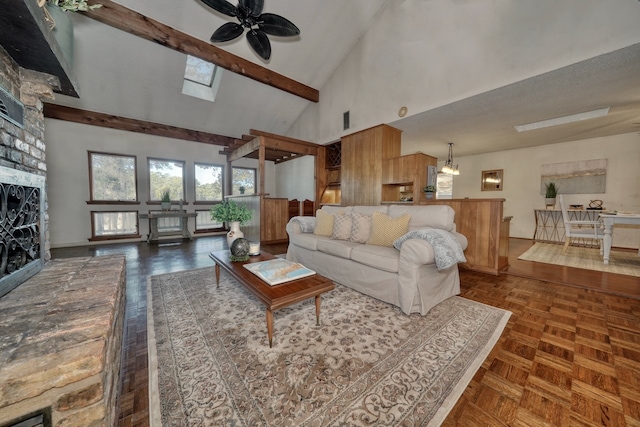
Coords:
341,226
385,230
360,227
324,224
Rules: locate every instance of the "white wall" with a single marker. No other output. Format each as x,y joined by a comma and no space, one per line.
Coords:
68,173
425,54
522,180
295,179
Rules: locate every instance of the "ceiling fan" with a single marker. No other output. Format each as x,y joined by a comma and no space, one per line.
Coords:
249,13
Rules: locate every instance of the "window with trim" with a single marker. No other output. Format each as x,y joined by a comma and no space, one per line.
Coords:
243,177
166,175
112,177
444,186
205,223
208,182
110,225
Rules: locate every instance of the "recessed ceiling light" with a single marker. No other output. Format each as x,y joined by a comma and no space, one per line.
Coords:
564,120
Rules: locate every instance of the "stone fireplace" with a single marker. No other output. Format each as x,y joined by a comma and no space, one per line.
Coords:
61,322
24,247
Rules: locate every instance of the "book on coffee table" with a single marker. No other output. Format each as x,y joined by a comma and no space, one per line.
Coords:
277,271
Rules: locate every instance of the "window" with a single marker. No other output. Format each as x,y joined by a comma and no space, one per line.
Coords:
445,186
209,182
109,225
205,223
112,177
166,175
201,79
243,177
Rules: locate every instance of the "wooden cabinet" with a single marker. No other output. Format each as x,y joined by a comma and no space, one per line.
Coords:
273,221
482,223
268,220
406,176
361,168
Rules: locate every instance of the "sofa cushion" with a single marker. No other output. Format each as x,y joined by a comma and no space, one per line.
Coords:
369,210
307,240
433,216
360,228
324,224
339,248
385,230
336,209
341,226
382,258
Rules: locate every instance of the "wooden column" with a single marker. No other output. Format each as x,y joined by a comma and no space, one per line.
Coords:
361,167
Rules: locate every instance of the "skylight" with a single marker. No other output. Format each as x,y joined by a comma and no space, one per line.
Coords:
201,79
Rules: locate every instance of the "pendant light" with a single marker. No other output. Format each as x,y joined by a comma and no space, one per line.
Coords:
448,167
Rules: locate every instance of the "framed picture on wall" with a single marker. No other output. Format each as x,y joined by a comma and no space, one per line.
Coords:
492,180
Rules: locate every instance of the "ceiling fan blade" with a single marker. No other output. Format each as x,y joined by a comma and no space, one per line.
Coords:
222,6
255,6
226,32
276,25
259,43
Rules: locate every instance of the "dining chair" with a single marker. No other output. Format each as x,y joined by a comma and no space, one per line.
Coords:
584,229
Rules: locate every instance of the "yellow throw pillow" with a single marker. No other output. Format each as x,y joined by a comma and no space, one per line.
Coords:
324,224
386,230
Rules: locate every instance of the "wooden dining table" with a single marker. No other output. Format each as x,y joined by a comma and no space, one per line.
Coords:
609,220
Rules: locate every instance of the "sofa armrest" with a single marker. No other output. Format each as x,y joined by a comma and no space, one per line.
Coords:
420,251
417,251
462,239
295,224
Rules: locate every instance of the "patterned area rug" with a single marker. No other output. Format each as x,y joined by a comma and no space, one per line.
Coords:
366,364
620,262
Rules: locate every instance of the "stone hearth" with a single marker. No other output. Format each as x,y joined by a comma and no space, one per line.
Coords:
60,342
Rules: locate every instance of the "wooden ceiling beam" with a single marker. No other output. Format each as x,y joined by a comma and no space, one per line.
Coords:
246,149
255,132
54,111
142,26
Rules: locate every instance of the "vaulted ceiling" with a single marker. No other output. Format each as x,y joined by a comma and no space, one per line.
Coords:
125,75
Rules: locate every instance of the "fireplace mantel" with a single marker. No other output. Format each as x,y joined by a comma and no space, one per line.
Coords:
32,45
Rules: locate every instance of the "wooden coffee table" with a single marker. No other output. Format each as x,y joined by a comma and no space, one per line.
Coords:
273,297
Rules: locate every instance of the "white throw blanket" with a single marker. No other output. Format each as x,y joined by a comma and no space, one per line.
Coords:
446,248
307,223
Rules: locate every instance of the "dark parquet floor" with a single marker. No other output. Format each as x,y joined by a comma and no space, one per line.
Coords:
569,356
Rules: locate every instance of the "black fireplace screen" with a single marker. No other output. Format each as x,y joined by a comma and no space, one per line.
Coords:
20,225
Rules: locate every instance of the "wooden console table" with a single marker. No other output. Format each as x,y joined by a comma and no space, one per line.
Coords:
550,225
153,224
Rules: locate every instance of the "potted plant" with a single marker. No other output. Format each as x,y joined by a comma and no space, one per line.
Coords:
551,191
165,201
429,191
232,214
71,5
242,189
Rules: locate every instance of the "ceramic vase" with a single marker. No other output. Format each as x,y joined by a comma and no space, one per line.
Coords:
234,232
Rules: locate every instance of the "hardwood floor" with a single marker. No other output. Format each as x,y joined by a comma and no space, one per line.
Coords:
570,354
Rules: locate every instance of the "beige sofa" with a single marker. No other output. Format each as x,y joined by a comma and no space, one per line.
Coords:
407,278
